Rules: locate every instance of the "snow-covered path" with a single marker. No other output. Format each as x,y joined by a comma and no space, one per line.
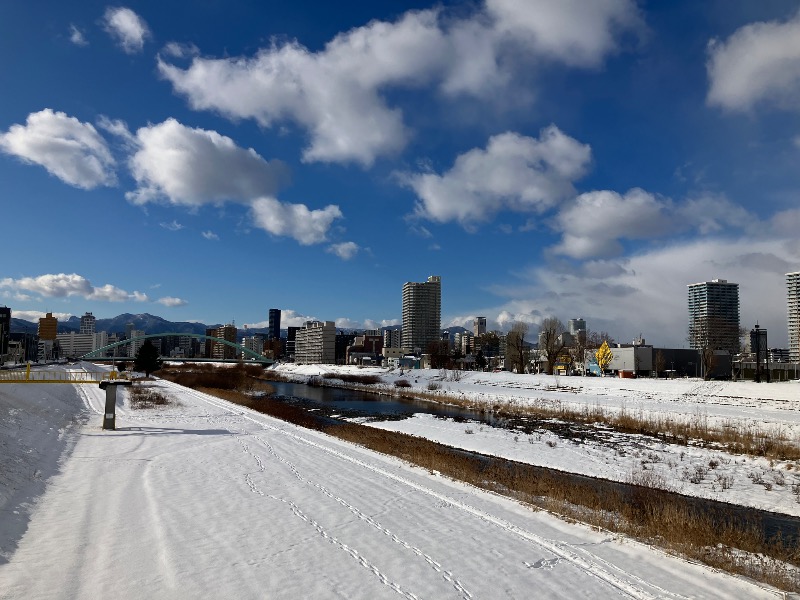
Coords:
207,499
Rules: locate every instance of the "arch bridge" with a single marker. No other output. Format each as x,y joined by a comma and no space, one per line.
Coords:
100,353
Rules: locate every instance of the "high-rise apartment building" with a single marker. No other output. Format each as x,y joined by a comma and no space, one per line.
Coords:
422,313
392,338
793,314
315,343
87,323
48,327
576,325
274,328
220,350
714,315
479,326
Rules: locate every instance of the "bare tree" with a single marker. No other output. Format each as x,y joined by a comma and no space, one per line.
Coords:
551,342
439,351
516,349
578,350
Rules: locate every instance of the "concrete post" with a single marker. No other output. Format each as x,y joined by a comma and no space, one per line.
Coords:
110,413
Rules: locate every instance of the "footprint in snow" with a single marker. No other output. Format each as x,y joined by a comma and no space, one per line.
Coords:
543,563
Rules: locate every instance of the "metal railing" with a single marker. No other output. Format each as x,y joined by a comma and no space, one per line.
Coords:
41,376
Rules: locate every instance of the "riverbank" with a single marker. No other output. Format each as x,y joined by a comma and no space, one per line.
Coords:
695,467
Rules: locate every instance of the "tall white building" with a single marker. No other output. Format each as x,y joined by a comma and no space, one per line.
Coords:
422,313
87,323
793,314
714,315
315,343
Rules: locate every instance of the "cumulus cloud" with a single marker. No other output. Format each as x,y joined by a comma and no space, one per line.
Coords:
210,235
595,221
594,224
294,220
63,285
127,28
514,172
69,149
337,94
345,250
76,36
172,302
190,167
574,32
759,62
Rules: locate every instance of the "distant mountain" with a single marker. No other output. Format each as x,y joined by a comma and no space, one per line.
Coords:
152,324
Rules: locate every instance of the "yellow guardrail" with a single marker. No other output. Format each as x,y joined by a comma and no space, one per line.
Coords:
37,376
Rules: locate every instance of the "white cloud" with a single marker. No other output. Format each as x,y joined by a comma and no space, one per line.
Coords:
191,167
210,235
127,28
575,32
759,62
72,151
64,285
336,94
514,172
345,250
294,220
174,226
595,221
172,302
646,292
76,36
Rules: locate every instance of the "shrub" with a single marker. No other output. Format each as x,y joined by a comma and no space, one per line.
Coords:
433,386
402,383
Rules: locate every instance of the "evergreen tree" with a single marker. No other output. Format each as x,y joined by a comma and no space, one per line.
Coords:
147,359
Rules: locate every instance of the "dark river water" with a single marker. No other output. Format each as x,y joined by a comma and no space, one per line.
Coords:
352,403
330,402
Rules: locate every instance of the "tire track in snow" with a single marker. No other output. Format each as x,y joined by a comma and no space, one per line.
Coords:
589,565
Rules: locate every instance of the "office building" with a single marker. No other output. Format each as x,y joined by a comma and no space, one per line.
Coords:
793,316
87,324
714,315
274,327
5,330
48,330
576,325
479,326
422,313
315,343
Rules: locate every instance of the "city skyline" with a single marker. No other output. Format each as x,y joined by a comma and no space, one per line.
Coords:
545,159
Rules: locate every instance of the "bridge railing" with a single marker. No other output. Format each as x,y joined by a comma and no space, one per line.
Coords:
41,376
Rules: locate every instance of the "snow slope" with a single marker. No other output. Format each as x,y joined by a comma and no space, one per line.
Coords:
207,499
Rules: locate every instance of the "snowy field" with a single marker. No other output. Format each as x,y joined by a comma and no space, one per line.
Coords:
207,499
745,480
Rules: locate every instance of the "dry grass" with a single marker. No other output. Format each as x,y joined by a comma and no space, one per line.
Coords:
142,396
733,437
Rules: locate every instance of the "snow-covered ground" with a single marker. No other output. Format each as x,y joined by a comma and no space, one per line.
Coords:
745,480
207,499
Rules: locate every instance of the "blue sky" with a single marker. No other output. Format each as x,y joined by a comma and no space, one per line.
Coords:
211,160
